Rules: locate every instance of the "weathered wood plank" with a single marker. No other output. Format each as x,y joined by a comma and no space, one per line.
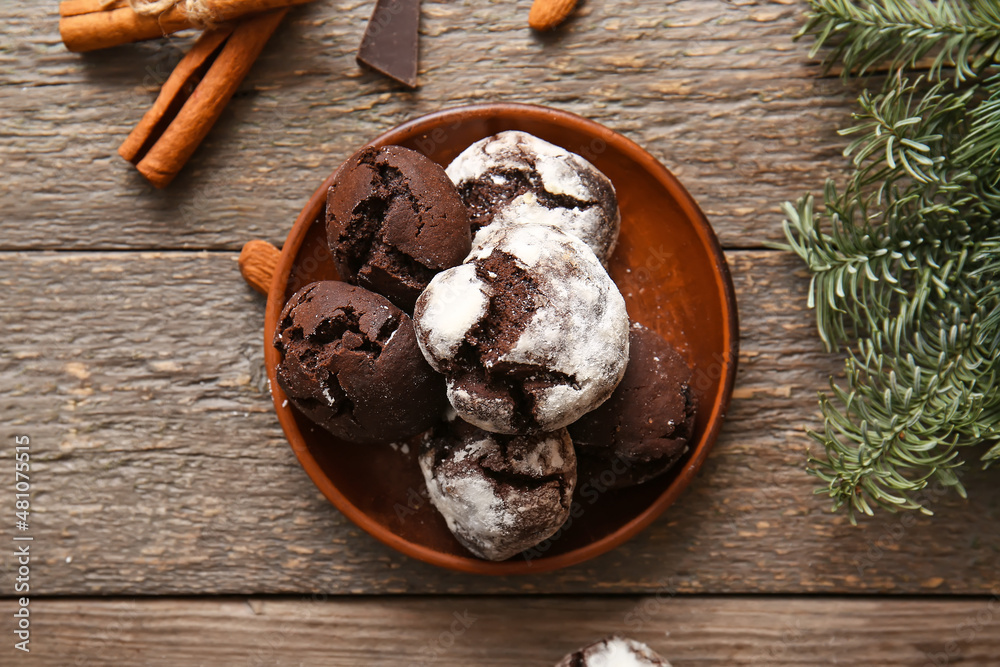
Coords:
462,631
160,467
717,91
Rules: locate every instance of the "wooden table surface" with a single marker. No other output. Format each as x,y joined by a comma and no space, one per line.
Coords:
172,524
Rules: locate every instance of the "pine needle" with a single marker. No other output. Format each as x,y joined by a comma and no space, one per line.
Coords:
905,256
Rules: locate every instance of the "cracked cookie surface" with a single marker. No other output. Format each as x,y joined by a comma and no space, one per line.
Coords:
351,364
531,332
499,494
393,220
614,651
647,424
516,178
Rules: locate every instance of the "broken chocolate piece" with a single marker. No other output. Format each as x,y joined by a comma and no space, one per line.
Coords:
390,44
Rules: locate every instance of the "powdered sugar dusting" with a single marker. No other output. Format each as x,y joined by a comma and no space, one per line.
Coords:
580,329
471,450
468,501
328,397
586,224
388,341
490,496
558,168
453,302
622,652
546,456
526,243
495,412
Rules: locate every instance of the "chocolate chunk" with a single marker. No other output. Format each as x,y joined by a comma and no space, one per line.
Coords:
391,41
352,365
394,219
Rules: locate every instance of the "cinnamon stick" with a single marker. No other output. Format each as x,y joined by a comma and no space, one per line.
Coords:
176,90
86,25
194,96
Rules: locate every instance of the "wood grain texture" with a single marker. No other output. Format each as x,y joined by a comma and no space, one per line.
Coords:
463,631
159,467
717,91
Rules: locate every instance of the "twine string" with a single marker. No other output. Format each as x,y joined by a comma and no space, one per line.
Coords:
199,12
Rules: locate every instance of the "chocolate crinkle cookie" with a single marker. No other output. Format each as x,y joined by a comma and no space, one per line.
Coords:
351,364
531,332
516,177
647,424
499,494
393,220
614,652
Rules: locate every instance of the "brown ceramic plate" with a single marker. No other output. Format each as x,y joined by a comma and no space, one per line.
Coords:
672,273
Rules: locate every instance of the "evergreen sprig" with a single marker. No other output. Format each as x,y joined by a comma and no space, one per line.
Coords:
899,33
981,147
905,256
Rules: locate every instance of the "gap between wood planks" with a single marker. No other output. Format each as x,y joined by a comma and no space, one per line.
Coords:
467,630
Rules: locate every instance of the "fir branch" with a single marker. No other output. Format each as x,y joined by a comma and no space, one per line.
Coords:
905,256
981,147
913,128
904,198
964,35
989,303
920,390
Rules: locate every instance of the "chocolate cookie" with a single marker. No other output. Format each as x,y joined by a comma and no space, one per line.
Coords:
352,365
531,332
613,652
647,424
564,188
393,220
499,494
